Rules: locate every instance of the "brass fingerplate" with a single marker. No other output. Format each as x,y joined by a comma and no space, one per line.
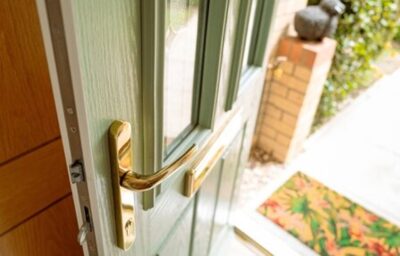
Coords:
211,154
195,176
121,163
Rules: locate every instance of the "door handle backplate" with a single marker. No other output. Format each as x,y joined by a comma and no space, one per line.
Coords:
124,203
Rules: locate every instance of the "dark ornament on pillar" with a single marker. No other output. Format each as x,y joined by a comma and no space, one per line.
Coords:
316,22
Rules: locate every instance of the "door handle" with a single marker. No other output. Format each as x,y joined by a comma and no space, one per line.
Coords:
125,180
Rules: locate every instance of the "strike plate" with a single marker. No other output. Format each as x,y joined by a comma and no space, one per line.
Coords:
120,144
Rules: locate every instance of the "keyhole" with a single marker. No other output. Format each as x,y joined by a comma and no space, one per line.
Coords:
129,227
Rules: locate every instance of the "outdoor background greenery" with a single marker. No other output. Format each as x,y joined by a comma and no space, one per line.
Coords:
364,30
397,36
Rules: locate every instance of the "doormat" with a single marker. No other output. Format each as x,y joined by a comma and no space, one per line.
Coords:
327,222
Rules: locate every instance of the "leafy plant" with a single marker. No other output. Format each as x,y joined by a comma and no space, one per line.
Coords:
364,30
397,36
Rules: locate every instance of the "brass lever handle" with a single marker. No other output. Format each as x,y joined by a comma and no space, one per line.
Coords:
125,180
139,182
128,178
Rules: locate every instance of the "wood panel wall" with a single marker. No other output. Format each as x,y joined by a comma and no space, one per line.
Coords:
36,209
28,117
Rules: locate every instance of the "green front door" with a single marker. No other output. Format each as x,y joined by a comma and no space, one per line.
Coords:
182,73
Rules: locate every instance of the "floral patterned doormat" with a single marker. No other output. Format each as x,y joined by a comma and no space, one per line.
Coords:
329,223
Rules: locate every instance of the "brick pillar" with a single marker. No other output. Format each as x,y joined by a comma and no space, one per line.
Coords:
294,92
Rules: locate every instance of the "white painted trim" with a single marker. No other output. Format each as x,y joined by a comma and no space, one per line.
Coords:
51,63
71,40
73,56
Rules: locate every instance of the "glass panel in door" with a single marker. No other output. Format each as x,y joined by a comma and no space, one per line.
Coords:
182,22
249,35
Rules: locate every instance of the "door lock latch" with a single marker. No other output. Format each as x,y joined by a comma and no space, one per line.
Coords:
76,172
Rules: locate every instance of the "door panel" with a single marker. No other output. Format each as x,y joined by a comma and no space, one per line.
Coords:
45,234
213,200
27,117
169,209
229,171
31,183
178,242
206,200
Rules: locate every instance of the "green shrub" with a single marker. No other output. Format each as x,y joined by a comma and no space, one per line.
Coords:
364,30
397,36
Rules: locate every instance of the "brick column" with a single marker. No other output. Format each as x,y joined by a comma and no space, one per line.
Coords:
292,98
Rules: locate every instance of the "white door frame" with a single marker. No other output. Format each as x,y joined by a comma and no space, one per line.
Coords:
77,133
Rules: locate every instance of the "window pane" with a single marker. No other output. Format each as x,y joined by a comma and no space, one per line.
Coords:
179,67
230,41
249,36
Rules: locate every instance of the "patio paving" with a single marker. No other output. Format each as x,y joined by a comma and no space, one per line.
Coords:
357,153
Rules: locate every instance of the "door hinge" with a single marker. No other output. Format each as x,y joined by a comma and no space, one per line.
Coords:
76,171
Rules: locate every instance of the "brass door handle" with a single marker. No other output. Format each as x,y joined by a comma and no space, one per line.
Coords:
120,142
125,180
139,182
